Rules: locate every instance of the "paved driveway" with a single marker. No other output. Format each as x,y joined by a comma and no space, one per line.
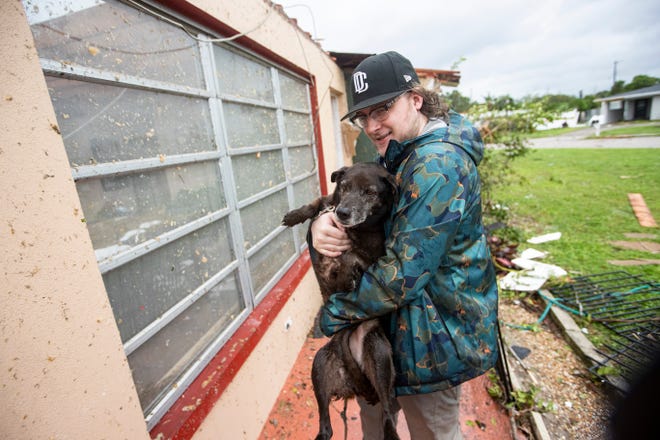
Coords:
578,139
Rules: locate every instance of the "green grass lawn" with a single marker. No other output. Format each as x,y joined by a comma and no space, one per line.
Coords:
630,128
554,132
647,130
582,193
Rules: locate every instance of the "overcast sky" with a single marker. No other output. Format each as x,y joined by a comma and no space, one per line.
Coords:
514,47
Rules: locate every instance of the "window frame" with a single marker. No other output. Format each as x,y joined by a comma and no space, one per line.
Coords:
268,301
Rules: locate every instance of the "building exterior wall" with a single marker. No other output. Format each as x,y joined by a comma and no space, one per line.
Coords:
610,116
628,110
64,371
655,108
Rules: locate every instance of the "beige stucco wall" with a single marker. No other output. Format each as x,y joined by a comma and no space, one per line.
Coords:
63,371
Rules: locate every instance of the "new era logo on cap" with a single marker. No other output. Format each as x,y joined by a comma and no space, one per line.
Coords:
379,78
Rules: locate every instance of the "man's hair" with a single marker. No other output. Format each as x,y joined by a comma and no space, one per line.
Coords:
433,107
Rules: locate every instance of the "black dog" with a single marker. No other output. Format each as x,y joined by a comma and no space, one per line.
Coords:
356,361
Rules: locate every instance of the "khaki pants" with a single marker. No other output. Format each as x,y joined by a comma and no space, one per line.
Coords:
432,416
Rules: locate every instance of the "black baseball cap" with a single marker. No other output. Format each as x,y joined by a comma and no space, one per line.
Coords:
379,78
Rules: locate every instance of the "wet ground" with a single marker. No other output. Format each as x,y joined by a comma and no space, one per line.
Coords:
294,415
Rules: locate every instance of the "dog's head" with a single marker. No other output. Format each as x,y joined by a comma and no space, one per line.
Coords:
364,194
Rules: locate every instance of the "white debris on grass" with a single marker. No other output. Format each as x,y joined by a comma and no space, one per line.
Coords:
545,238
532,254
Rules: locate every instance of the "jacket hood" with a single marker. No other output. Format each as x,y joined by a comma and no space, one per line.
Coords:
459,132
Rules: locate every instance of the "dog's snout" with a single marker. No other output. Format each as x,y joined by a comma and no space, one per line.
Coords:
343,213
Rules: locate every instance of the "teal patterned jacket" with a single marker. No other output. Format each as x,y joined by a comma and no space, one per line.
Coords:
435,289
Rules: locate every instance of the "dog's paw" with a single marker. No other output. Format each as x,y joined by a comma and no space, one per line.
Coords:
292,218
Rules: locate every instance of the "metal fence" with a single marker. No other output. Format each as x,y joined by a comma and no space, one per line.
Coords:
629,307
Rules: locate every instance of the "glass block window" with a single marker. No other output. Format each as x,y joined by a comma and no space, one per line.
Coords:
186,153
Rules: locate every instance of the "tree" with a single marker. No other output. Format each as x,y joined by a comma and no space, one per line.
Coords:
617,88
641,81
505,130
458,102
500,103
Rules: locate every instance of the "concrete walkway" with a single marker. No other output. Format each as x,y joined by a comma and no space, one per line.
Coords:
580,141
294,415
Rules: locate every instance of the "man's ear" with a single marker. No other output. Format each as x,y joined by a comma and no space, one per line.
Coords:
418,100
337,175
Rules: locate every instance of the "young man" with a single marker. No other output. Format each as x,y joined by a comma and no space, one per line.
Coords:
435,289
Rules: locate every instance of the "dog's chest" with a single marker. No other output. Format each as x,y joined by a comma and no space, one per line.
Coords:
343,273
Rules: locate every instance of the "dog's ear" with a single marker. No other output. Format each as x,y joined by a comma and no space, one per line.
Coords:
337,175
391,183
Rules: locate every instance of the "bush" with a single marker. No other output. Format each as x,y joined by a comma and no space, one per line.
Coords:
504,131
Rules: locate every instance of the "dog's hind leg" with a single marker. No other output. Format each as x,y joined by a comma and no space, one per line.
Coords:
379,369
323,393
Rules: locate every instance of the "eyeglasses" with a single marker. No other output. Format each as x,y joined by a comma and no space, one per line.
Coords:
378,114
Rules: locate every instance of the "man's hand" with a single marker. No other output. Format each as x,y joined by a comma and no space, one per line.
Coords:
328,236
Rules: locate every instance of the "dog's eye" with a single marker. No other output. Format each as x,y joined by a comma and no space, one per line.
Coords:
371,192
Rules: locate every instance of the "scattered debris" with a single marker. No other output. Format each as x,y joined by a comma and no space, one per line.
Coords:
644,246
521,352
545,238
521,282
542,270
532,277
640,236
641,211
554,364
503,253
636,262
532,254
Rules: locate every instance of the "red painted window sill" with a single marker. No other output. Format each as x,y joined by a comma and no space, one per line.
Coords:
181,422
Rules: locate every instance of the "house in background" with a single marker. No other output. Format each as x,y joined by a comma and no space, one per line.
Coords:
641,104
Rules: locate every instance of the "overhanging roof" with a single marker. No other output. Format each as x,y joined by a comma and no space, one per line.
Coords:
646,92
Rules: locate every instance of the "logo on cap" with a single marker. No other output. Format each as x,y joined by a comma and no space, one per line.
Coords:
359,81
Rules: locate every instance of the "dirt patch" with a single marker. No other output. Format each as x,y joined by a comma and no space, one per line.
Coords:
577,407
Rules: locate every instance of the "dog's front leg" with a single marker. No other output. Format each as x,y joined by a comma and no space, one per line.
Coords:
305,212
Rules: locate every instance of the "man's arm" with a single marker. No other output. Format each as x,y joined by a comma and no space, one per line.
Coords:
423,227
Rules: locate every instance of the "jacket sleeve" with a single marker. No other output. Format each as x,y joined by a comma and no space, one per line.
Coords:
430,207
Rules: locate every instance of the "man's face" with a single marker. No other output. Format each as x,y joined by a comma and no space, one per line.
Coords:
402,121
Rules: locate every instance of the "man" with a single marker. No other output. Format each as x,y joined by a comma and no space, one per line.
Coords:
435,289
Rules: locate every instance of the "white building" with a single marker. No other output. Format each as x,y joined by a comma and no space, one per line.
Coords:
638,104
